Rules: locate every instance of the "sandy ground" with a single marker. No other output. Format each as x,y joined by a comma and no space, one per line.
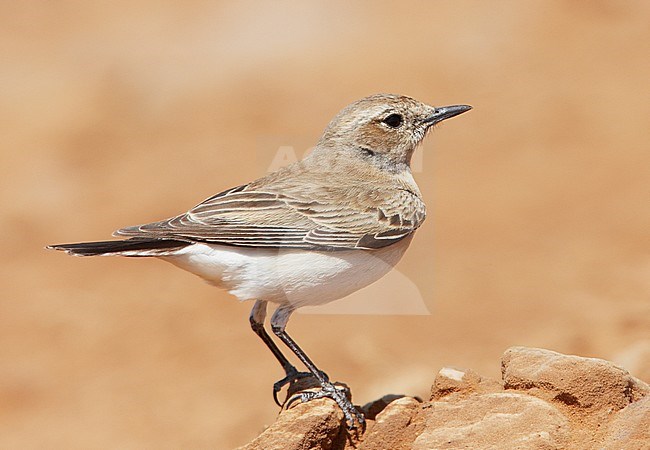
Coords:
123,113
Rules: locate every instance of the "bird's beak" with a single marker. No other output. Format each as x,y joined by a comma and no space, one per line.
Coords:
445,112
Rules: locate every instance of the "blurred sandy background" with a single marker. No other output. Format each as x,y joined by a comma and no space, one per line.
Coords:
118,113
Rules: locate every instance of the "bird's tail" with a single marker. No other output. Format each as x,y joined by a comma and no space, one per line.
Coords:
127,247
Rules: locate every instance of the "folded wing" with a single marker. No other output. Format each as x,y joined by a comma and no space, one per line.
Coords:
261,218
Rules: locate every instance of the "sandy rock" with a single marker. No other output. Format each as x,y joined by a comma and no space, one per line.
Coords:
550,401
581,383
504,420
461,381
371,409
450,380
391,428
318,424
629,429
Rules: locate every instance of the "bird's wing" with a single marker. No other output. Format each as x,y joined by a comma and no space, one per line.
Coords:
259,218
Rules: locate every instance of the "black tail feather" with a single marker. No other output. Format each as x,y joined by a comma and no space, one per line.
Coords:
127,245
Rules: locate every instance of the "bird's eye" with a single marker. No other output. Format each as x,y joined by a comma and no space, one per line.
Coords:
366,151
393,120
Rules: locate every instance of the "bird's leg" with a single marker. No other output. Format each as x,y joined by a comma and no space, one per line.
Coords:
257,316
352,415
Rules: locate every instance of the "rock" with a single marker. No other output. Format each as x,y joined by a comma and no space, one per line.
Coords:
547,401
318,424
629,429
371,409
463,381
391,428
450,380
496,421
582,383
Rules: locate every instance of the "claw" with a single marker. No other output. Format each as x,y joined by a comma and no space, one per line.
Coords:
292,400
292,376
353,417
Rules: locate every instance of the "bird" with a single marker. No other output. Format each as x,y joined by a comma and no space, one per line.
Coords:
307,234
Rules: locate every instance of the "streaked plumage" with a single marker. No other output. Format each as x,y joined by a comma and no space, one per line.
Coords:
297,210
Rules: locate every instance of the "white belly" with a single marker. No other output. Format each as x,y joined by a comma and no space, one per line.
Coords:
297,277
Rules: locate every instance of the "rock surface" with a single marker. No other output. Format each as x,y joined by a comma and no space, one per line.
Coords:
545,400
586,383
318,424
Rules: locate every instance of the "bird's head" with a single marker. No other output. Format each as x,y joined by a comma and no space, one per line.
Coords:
384,129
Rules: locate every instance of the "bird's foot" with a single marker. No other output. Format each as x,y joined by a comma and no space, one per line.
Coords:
291,377
341,395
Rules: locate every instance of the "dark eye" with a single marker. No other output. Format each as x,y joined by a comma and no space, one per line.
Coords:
393,120
367,151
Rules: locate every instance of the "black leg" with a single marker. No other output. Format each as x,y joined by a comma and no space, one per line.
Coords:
352,415
258,314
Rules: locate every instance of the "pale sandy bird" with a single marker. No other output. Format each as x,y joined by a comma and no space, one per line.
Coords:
309,233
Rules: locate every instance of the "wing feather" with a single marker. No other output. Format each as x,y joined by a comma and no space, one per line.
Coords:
260,218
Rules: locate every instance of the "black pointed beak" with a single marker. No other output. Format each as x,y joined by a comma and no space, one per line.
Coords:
445,112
